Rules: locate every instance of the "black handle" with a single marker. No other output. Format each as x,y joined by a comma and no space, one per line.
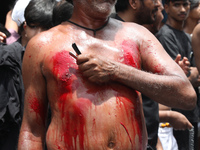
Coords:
76,49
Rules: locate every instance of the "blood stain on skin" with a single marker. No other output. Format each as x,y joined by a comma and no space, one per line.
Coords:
134,115
127,133
72,112
158,69
36,107
131,53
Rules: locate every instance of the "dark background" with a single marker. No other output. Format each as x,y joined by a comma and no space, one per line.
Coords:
5,6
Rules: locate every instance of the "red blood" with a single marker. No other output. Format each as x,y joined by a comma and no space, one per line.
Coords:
131,53
72,111
36,107
135,118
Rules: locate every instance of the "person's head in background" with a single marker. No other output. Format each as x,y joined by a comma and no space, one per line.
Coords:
154,28
38,17
138,11
177,12
62,12
194,9
193,17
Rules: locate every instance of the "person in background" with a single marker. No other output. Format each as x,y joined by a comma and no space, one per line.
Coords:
12,27
62,12
157,24
11,84
11,93
193,17
177,43
35,22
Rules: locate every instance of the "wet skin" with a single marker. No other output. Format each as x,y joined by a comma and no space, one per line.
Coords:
91,115
88,115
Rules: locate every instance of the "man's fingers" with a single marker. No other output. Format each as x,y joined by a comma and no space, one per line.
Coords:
73,55
186,61
2,37
85,66
178,58
88,73
82,58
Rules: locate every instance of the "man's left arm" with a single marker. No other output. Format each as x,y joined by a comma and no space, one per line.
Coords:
161,78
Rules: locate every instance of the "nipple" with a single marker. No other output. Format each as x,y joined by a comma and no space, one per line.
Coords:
111,144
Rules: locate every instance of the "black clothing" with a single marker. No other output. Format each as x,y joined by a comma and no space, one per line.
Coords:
115,16
178,42
11,93
183,144
151,113
175,41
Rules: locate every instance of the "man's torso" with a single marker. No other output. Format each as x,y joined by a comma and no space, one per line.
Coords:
86,115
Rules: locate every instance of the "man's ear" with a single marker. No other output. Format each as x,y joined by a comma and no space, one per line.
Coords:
133,4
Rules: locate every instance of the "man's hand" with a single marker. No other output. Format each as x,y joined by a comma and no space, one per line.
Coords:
97,69
2,37
184,63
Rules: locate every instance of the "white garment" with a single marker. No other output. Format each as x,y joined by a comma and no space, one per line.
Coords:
167,138
18,11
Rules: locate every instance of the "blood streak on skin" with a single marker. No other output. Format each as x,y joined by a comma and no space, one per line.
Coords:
72,111
127,133
134,115
131,57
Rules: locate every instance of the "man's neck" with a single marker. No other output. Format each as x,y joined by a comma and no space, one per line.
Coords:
90,21
178,25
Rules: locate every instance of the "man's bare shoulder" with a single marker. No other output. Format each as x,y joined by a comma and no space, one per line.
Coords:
46,36
131,29
128,25
45,40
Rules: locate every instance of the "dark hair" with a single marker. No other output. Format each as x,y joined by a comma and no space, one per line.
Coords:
167,1
62,12
70,1
194,4
39,12
121,5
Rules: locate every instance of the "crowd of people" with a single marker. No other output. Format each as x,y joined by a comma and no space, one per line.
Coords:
106,74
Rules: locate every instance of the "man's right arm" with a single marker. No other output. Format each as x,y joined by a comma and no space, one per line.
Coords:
32,133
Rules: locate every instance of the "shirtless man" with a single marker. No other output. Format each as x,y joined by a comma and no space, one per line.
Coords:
196,45
94,99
